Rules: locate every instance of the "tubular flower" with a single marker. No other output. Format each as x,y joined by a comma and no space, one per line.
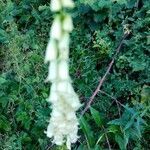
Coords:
68,3
56,30
63,124
51,51
55,5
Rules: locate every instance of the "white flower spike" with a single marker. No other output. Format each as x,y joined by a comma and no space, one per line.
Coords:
63,124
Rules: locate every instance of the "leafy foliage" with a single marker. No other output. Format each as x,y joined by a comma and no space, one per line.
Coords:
99,27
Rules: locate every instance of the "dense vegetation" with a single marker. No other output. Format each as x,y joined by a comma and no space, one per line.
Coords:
120,114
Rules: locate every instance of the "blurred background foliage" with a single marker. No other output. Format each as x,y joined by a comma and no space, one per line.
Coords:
120,115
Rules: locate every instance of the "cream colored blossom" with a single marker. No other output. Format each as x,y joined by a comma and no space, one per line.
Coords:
59,132
50,131
55,5
56,29
51,51
52,72
53,94
68,143
75,103
67,23
63,70
68,3
64,47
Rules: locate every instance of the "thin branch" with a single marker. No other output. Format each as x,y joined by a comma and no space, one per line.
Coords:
101,81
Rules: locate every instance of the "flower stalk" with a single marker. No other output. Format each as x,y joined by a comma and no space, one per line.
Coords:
63,124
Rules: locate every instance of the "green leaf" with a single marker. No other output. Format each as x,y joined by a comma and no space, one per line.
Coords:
100,137
116,122
130,122
4,123
121,2
96,116
82,147
2,80
145,94
87,131
3,36
97,147
4,101
114,129
122,141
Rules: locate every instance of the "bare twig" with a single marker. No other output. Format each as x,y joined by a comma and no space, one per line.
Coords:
101,81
